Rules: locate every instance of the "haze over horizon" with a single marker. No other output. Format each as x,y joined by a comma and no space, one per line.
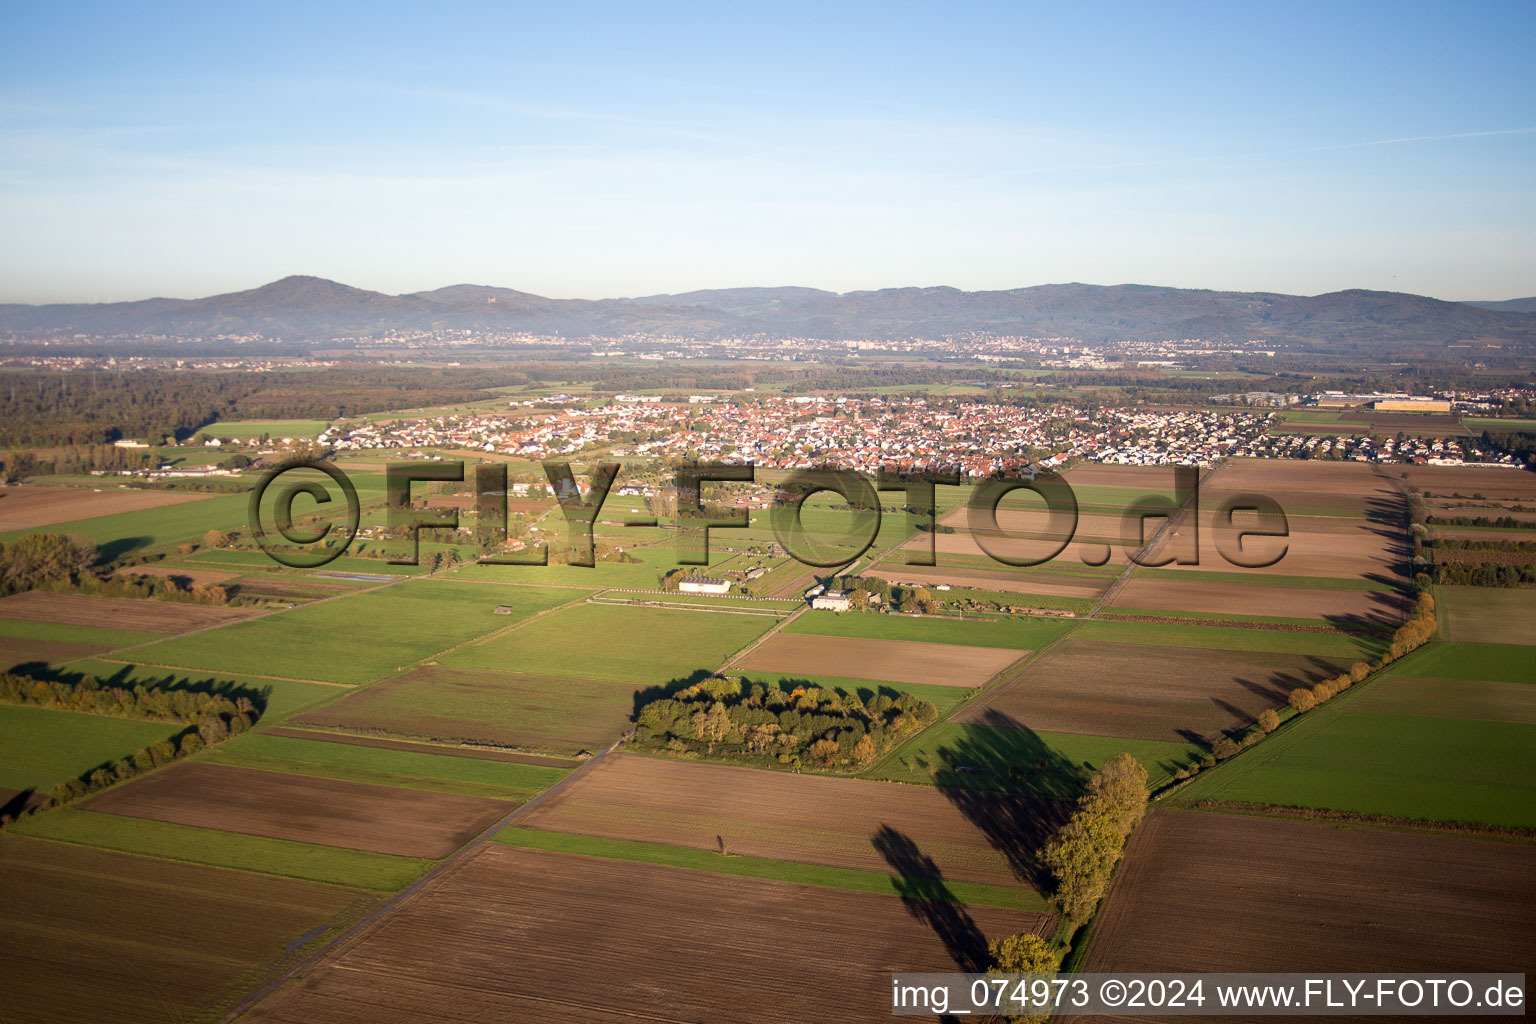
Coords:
190,152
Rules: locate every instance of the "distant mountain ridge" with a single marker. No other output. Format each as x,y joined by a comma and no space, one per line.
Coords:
301,308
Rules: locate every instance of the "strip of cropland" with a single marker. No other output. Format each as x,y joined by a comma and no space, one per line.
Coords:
98,936
567,921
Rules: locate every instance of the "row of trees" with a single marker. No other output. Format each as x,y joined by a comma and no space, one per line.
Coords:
764,721
156,704
75,459
210,719
1083,853
1496,522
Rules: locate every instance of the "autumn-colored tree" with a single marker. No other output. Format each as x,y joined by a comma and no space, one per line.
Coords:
1081,857
1359,670
1269,720
1122,782
864,750
1302,700
713,725
1025,953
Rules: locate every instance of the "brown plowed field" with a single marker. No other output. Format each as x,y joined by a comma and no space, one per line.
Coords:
384,819
26,508
523,935
1196,595
814,819
1027,535
1510,484
198,577
97,936
1146,692
897,661
17,650
1213,892
1339,547
1000,581
115,612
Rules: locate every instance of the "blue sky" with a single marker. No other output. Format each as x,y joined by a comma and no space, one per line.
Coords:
595,150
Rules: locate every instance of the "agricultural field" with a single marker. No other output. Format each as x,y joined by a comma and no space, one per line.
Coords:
161,526
899,661
43,746
253,429
358,816
1198,597
23,641
27,508
1144,691
359,637
1242,890
572,918
637,646
143,941
146,616
995,581
1407,745
560,714
1488,615
778,816
421,768
1018,633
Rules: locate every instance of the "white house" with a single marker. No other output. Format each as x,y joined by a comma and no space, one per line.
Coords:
832,601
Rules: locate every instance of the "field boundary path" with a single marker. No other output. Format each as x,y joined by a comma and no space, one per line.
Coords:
424,885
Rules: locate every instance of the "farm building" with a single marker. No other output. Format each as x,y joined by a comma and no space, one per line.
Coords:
704,585
832,601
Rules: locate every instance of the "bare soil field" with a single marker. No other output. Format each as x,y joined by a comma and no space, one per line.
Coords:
1334,547
1313,487
1155,693
384,819
26,508
197,577
584,933
1509,484
115,612
1212,892
1489,615
1195,595
1001,581
97,936
814,819
17,650
1157,479
1426,424
898,661
1027,535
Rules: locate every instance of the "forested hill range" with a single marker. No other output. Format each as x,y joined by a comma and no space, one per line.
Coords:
315,309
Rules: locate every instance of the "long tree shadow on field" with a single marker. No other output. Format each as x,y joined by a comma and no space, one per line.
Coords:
1011,785
170,682
923,892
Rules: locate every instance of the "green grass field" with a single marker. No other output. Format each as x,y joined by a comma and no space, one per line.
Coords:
1015,633
1021,760
278,429
1488,614
409,769
153,527
1497,662
638,646
354,868
56,632
1408,766
359,637
1230,638
43,747
776,870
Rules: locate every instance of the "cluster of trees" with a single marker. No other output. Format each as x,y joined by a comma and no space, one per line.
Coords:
1482,574
764,721
895,595
1504,563
210,718
1083,853
38,559
145,585
1519,443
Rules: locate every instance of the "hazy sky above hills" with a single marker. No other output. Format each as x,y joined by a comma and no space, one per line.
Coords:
627,150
